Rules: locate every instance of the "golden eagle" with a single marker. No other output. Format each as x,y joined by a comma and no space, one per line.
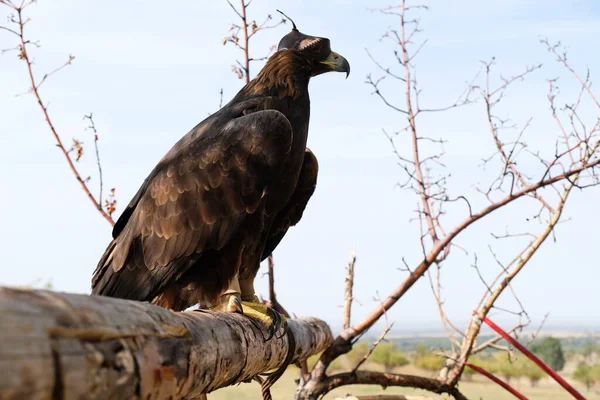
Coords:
221,200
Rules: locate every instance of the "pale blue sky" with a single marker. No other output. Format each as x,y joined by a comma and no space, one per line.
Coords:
150,71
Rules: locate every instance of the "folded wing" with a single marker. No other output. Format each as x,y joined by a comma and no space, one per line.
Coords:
195,200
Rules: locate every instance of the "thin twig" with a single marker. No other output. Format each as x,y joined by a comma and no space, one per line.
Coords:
24,55
92,126
248,30
373,347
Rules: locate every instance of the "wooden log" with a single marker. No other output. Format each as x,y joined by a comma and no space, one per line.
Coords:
68,346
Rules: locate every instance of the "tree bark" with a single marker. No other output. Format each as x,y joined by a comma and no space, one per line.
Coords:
68,346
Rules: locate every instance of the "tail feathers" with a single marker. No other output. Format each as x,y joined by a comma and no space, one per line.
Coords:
127,281
103,268
130,279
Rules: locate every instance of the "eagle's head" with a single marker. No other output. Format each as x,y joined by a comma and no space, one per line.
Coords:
316,50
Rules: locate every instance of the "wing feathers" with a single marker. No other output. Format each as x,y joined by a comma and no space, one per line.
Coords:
291,214
196,199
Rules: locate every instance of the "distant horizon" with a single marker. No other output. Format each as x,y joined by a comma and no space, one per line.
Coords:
434,329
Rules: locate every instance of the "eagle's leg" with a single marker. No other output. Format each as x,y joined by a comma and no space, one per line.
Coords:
233,300
229,300
270,317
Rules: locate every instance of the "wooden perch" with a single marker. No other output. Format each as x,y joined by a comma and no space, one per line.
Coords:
68,346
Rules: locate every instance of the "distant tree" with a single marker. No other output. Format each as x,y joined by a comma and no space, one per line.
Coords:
595,373
500,363
528,369
421,350
357,353
589,349
398,359
486,361
385,354
550,350
429,362
336,365
583,374
506,368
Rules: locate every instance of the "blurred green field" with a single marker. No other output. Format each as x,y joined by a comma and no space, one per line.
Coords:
476,389
414,357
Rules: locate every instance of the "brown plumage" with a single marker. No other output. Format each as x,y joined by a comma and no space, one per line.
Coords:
292,212
224,196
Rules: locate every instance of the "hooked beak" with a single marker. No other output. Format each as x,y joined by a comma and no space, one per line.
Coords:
337,63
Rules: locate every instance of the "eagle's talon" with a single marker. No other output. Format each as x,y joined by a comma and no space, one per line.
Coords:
275,325
267,317
238,305
285,329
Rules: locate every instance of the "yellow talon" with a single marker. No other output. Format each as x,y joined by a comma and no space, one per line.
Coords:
253,308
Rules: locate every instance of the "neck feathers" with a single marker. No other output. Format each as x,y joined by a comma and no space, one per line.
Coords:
286,74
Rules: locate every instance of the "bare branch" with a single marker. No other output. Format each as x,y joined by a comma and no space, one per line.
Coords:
92,126
562,58
348,285
386,380
272,296
49,74
372,348
386,70
248,29
376,91
20,22
475,324
235,10
420,180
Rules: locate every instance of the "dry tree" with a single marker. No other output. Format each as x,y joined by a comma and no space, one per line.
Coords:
240,34
571,165
16,27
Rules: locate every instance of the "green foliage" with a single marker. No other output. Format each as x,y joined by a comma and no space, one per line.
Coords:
335,365
429,362
421,350
595,372
485,361
397,359
411,344
384,354
506,368
358,352
550,350
583,374
530,370
590,348
500,363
